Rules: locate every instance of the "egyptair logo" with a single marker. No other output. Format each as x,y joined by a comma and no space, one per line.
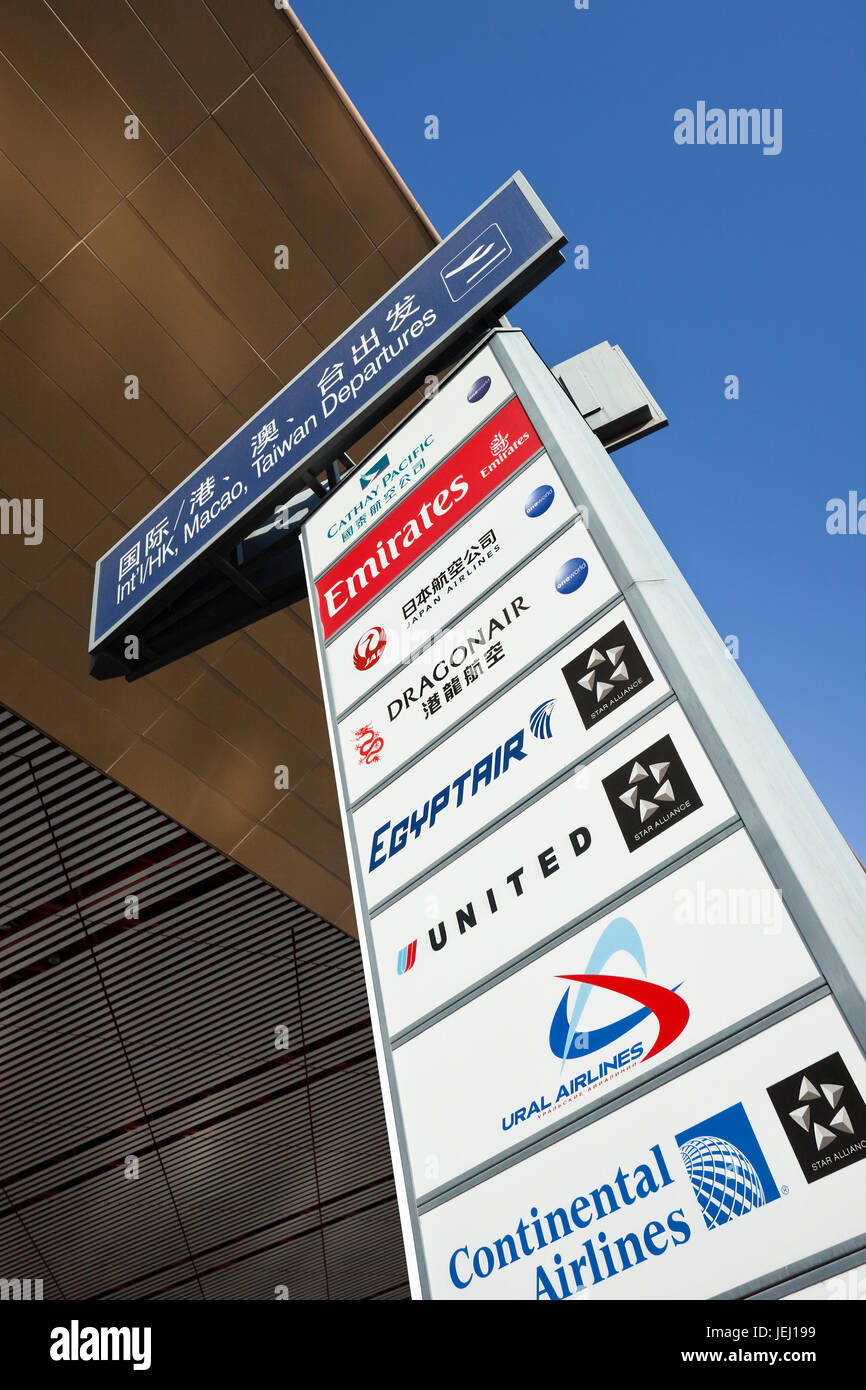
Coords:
539,720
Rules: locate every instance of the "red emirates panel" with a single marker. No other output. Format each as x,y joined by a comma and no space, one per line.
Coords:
425,517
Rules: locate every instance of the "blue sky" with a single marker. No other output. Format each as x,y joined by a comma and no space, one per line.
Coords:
704,261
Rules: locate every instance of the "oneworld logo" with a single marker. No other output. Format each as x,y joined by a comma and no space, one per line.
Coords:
571,575
478,389
539,499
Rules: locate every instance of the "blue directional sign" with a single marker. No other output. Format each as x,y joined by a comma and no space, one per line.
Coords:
486,264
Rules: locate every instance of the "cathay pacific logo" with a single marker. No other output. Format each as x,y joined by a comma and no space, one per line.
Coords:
372,471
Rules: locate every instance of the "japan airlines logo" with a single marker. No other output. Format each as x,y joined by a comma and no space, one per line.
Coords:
650,793
406,958
368,648
726,1167
824,1116
671,1012
368,745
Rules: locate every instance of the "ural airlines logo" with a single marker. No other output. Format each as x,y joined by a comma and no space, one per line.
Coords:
670,1011
475,779
650,793
434,507
571,1044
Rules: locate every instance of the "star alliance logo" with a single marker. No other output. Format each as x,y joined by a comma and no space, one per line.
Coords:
823,1115
651,792
603,676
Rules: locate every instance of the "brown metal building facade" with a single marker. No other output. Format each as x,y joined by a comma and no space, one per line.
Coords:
154,1036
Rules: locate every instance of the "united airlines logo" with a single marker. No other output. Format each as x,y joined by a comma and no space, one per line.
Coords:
406,957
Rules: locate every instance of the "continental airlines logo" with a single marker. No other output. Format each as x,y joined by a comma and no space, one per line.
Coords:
596,1048
452,796
641,1212
436,505
726,1167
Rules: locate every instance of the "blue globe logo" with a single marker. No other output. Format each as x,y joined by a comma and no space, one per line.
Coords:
724,1179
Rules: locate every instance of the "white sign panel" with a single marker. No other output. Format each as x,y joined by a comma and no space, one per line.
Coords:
475,555
467,665
413,451
549,865
717,1178
658,977
507,751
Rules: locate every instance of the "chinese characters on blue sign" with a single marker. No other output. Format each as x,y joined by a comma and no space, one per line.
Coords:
314,418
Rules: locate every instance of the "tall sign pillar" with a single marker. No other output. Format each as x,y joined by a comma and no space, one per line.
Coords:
612,940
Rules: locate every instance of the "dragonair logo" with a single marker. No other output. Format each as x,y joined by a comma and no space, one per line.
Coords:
570,1043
